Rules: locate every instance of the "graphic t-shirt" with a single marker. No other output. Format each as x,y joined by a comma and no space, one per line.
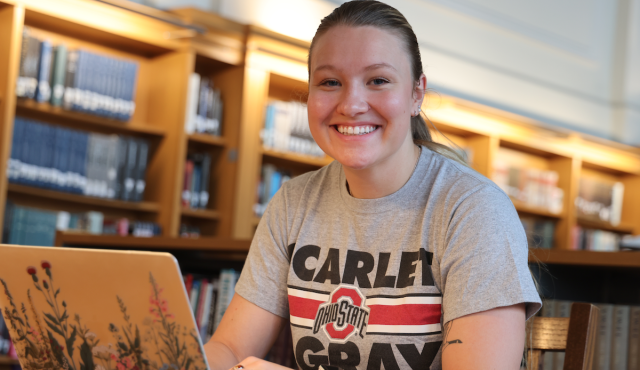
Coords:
367,284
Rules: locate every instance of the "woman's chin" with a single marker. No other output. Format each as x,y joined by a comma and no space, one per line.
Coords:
355,162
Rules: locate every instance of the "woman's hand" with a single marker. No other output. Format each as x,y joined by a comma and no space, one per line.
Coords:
254,363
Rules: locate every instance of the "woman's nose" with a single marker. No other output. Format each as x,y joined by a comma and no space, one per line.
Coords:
352,102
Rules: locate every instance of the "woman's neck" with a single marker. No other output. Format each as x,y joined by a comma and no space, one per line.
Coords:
383,178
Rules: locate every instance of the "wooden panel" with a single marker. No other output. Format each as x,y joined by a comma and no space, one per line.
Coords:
156,243
207,139
549,333
167,96
206,214
224,175
569,174
255,92
103,24
527,209
11,19
88,202
631,203
585,258
602,225
484,150
290,159
81,121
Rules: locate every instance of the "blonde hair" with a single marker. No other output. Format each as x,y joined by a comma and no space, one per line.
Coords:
359,13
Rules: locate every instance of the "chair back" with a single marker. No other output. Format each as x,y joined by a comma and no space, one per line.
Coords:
574,335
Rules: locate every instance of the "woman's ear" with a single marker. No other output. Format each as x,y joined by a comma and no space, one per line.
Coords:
419,91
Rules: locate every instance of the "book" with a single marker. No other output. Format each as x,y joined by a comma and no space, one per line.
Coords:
186,187
130,170
563,309
141,170
204,185
27,82
192,103
633,359
227,288
602,357
620,337
59,74
286,128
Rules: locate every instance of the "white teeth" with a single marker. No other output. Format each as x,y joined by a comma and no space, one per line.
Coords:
357,130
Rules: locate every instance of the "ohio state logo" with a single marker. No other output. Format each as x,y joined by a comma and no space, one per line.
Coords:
345,315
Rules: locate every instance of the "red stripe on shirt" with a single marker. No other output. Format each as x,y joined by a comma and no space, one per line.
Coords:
303,307
406,314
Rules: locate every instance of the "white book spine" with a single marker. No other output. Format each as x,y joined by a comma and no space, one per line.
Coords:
603,339
227,286
192,103
204,316
634,339
620,338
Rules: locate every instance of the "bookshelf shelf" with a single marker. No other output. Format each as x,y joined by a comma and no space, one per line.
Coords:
207,140
295,158
47,112
147,207
8,361
535,211
157,243
602,225
585,258
206,214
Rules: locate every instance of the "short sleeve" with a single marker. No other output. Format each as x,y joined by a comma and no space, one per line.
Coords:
484,261
263,280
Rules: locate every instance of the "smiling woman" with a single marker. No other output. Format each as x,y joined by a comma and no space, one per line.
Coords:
394,256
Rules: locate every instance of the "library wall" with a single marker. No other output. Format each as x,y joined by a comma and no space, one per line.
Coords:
576,69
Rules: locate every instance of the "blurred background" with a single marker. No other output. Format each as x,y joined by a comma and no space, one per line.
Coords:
168,125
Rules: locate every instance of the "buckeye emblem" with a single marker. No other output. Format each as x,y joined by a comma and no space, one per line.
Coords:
344,315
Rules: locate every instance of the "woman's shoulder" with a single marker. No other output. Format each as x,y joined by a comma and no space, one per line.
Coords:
312,180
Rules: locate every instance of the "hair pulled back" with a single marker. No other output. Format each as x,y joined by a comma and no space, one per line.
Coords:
360,13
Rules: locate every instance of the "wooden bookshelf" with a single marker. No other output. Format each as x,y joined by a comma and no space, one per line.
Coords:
81,121
585,258
526,209
606,226
8,361
207,140
62,198
206,214
155,243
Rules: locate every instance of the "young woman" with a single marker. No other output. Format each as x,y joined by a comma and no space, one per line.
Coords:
396,255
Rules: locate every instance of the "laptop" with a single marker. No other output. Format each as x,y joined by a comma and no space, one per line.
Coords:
83,309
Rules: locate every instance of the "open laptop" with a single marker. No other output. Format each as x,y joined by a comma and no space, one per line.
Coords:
97,309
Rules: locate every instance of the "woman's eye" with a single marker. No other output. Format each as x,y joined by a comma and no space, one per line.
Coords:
379,81
330,83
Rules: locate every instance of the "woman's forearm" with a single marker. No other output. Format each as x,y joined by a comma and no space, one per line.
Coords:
219,356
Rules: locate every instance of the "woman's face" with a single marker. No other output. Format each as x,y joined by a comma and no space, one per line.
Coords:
361,96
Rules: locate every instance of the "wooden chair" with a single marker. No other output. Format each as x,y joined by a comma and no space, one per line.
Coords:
575,335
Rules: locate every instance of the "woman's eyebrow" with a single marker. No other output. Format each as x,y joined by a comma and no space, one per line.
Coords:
379,65
366,69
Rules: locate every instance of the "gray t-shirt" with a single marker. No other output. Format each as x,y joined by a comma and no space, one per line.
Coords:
368,283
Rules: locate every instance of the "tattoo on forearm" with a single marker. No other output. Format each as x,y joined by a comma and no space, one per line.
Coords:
446,341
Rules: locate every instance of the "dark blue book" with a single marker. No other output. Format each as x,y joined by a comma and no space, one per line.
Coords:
43,91
13,173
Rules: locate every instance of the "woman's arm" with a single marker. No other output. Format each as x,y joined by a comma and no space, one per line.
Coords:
492,339
245,330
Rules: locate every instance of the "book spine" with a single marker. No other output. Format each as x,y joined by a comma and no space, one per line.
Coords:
69,96
227,286
602,359
634,338
186,188
195,185
192,103
58,77
122,149
113,143
204,187
620,337
141,170
31,67
22,81
130,172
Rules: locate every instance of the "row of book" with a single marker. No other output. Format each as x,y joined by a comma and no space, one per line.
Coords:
271,179
76,79
32,226
209,298
204,107
189,231
74,161
539,232
534,187
195,188
599,200
286,128
594,240
617,336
